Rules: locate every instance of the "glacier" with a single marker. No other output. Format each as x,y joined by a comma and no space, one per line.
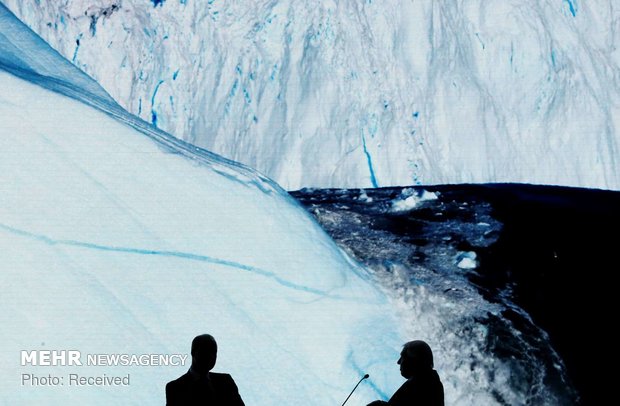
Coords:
363,93
117,238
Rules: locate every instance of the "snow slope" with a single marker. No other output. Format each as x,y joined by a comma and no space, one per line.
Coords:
116,238
364,93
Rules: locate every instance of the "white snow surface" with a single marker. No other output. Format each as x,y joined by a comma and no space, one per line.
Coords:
117,239
363,93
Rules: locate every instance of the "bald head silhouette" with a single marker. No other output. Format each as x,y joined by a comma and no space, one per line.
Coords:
423,386
204,353
416,357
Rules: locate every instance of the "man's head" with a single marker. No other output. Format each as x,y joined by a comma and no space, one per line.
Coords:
415,357
204,353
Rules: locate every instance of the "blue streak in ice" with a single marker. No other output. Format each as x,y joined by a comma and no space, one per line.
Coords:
361,372
77,47
373,178
571,7
175,254
153,112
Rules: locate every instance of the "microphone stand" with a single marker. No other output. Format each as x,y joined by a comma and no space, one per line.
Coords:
364,377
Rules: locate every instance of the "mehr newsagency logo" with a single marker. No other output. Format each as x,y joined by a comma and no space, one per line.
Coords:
76,358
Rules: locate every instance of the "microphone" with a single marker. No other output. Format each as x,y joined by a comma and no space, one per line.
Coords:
358,384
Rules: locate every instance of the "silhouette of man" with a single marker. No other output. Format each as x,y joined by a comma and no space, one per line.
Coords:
199,386
423,386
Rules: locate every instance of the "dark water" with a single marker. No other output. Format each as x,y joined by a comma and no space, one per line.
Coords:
546,255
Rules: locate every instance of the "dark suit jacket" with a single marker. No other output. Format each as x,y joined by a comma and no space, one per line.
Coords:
424,390
190,390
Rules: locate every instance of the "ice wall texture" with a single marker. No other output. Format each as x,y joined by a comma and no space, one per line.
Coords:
363,93
118,239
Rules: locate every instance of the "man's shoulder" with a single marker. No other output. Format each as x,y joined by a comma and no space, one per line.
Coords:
217,375
179,381
220,377
426,389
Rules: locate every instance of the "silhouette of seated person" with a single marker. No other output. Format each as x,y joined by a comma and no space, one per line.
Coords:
199,386
423,386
